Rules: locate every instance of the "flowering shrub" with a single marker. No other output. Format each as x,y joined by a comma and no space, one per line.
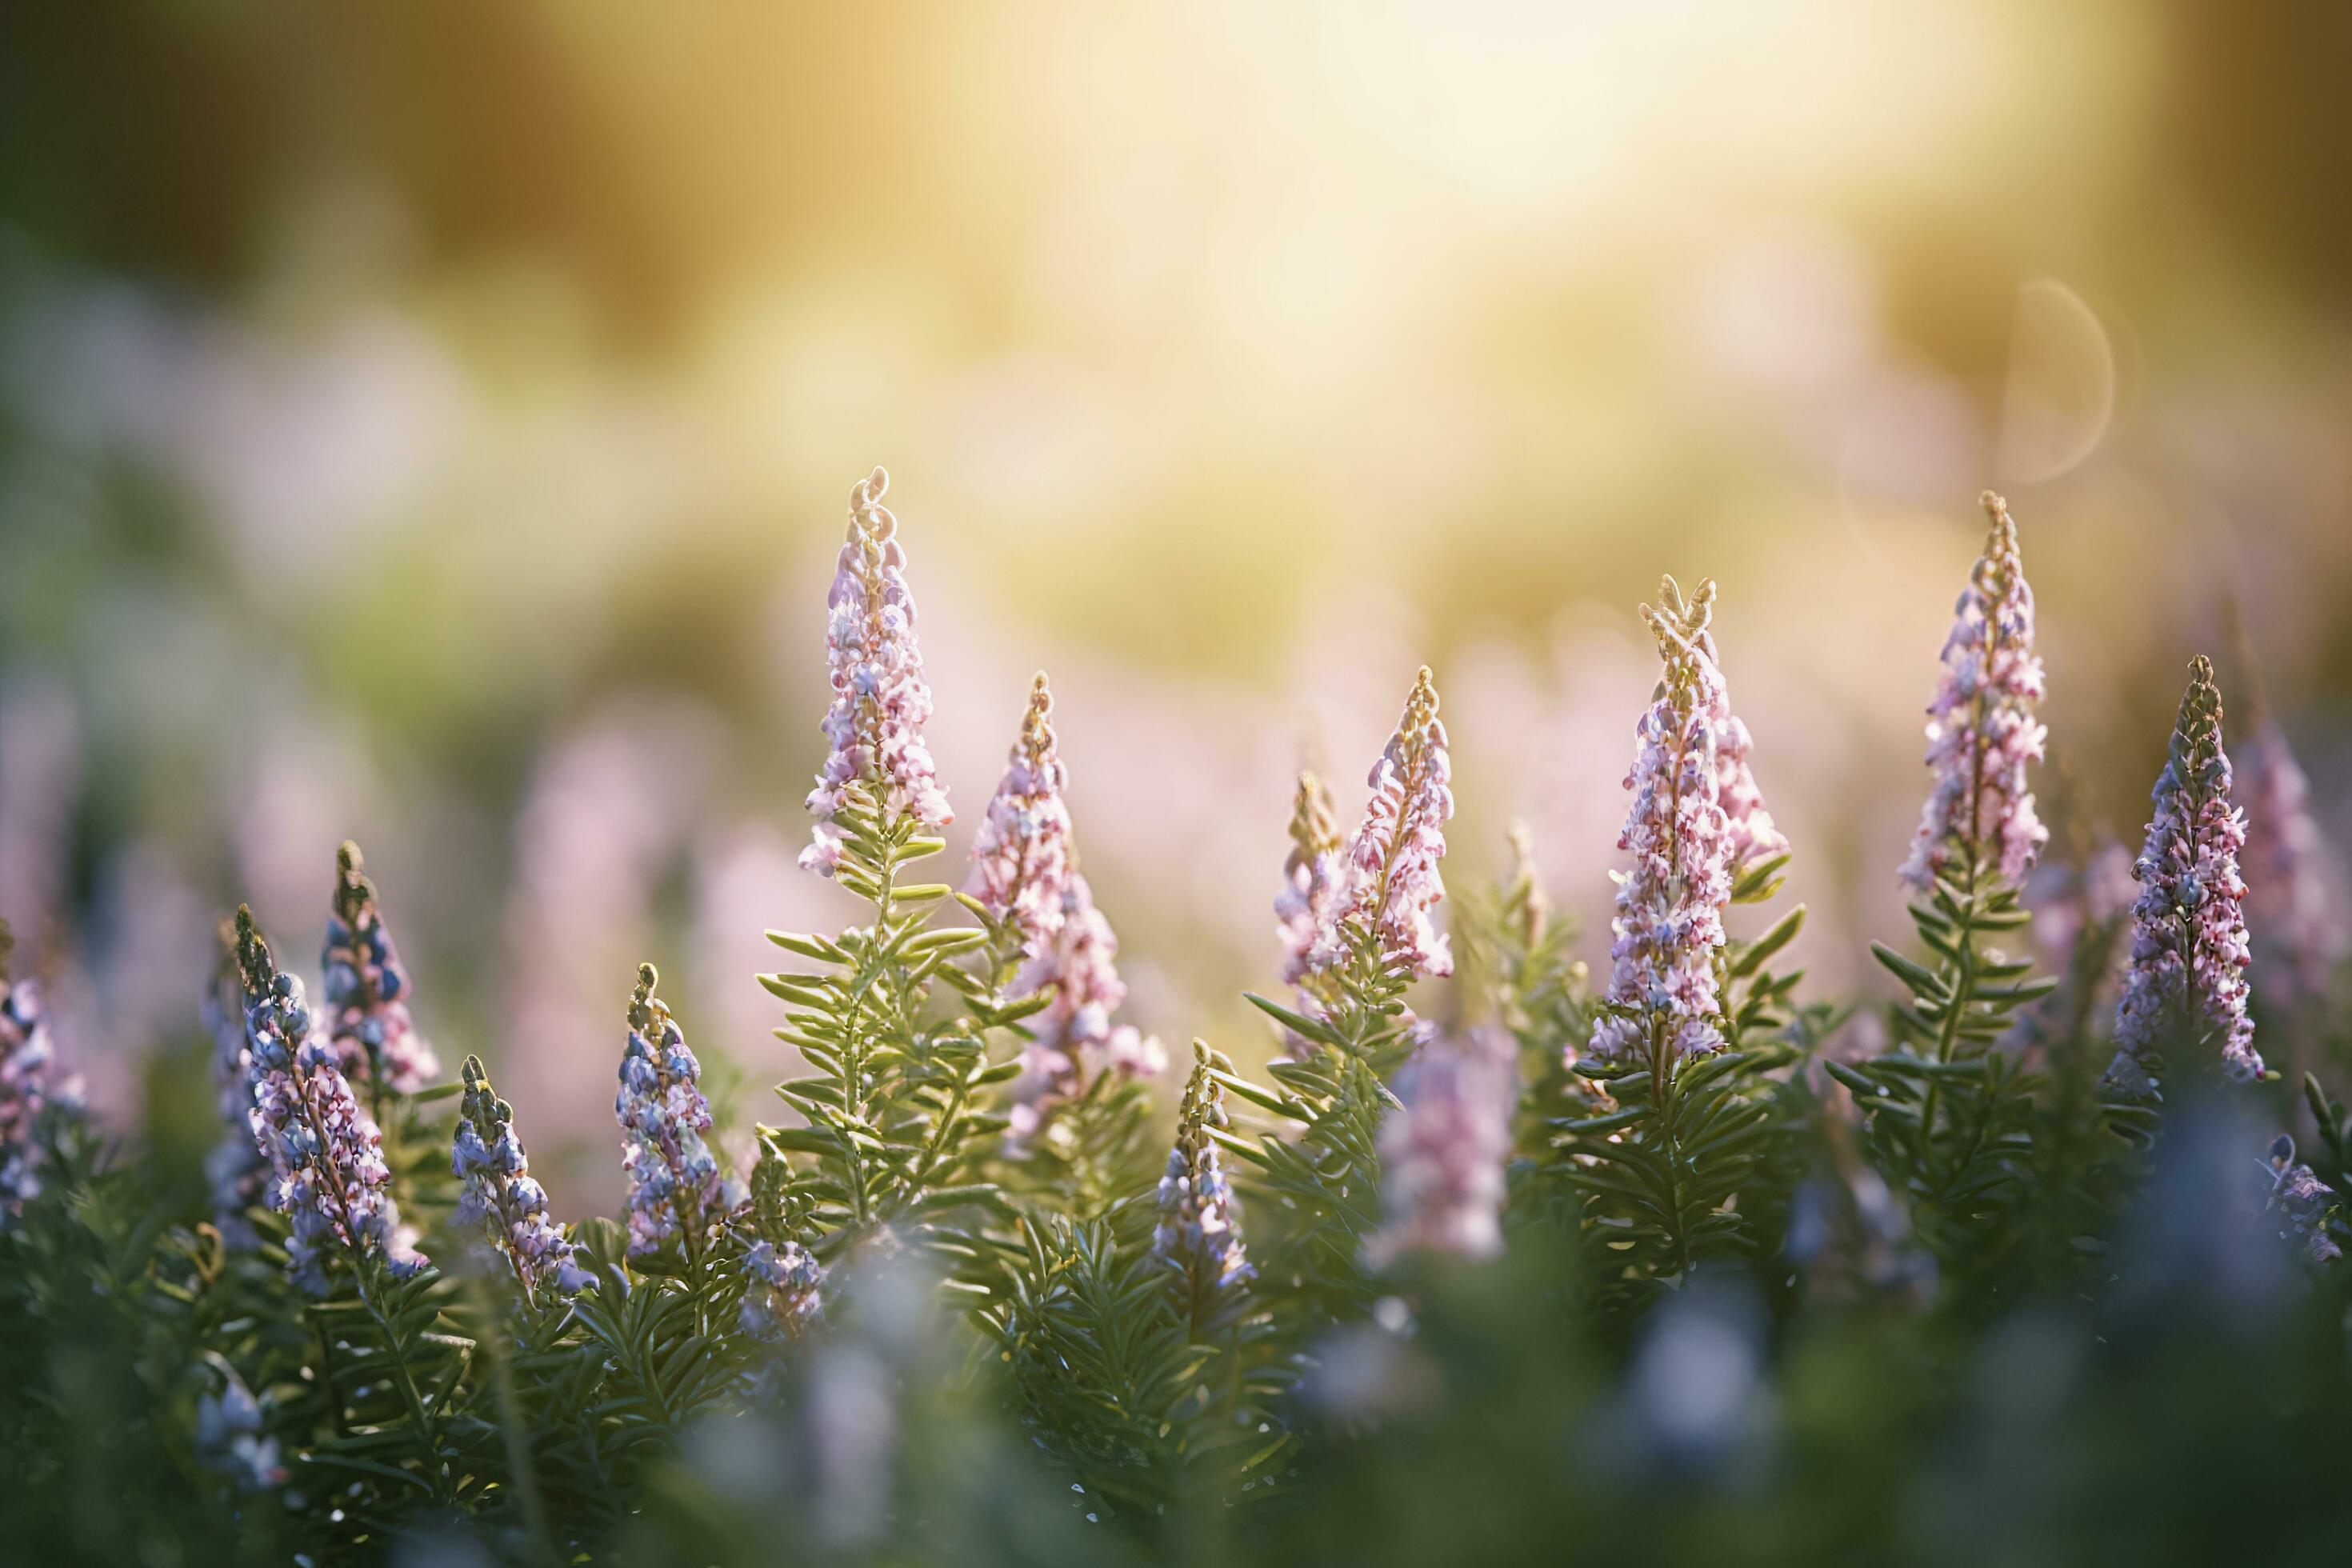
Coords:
1485,1256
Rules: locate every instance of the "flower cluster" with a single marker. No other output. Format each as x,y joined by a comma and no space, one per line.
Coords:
326,1156
367,989
2187,979
231,1439
1075,1039
499,1199
1311,873
781,1300
1691,821
2304,1200
236,1168
675,1190
1981,731
1021,862
1199,1230
874,725
1391,884
1442,1152
2298,939
25,1094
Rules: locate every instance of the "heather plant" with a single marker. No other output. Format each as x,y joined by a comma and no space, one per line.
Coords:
1491,1256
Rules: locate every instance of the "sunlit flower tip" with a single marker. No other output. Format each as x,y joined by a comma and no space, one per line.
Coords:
2303,1200
874,724
1313,874
1021,857
1981,729
235,1169
1392,885
674,1178
27,1093
1076,1038
230,1438
367,988
1199,1230
499,1200
327,1170
1443,1150
2299,935
2185,982
1678,837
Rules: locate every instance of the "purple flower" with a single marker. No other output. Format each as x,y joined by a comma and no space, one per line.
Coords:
2304,1201
1693,823
782,1300
1444,1150
327,1170
1312,874
1021,862
367,989
1981,731
1389,882
1199,1230
499,1199
230,1438
26,1093
673,1181
1075,1039
2298,936
236,1168
880,701
2187,979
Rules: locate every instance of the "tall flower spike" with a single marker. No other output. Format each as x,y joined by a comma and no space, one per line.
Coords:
875,726
1443,1152
236,1168
1075,1039
1981,731
367,989
27,1060
1199,1230
674,1180
2187,979
501,1201
1311,874
326,1156
1670,897
1021,857
1392,883
2298,937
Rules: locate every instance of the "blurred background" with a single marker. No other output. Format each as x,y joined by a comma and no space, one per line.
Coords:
432,424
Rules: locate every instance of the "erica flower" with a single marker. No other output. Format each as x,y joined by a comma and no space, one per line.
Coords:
501,1201
2187,978
1020,859
326,1156
1684,842
230,1438
236,1168
1442,1152
27,1060
1076,1037
1389,880
2298,939
367,989
1200,1231
673,1181
1981,731
874,725
2303,1200
1311,874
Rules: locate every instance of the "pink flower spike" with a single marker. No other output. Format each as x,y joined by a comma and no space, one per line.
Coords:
1981,731
1391,884
1311,875
1021,861
2187,980
1443,1154
2298,933
880,701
